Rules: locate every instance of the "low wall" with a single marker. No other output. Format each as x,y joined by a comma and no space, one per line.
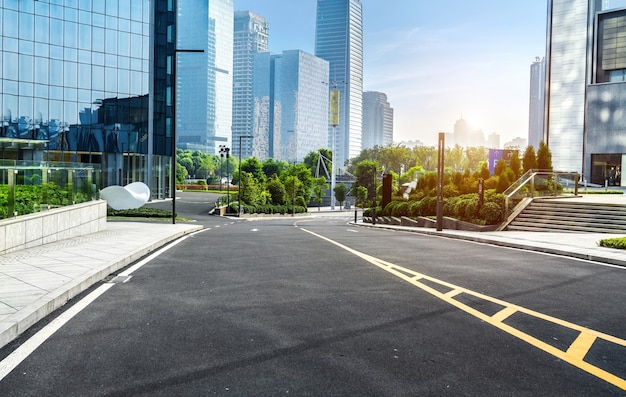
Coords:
57,224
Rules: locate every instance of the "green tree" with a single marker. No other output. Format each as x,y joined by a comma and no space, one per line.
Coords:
361,194
253,166
276,190
319,185
340,194
366,174
249,188
311,161
529,162
484,171
544,157
515,164
272,167
500,167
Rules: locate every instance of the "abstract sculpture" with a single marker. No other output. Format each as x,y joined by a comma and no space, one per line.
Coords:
128,197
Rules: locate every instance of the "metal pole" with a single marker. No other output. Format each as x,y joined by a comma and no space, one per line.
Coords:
440,169
333,171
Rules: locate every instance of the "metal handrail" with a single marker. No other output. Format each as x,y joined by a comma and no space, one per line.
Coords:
528,179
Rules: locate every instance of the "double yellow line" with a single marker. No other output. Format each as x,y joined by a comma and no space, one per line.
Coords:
576,352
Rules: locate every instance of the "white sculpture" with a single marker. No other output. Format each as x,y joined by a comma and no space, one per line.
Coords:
131,196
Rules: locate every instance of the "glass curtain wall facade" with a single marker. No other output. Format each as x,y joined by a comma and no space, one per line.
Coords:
339,40
78,84
291,105
377,120
204,80
250,37
586,90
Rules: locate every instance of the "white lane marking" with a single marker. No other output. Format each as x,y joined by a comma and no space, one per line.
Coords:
27,348
254,230
21,353
352,230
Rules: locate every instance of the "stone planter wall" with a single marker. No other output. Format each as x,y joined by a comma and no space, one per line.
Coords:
57,224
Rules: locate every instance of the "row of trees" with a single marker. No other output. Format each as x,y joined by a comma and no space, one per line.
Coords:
279,186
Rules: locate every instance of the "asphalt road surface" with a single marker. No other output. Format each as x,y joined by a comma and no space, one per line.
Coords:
318,307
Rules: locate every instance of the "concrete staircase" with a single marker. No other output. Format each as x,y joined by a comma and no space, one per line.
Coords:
548,215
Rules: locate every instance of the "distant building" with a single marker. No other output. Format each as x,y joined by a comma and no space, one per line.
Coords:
377,120
204,81
290,109
586,86
493,141
536,105
412,143
250,37
339,40
465,136
517,143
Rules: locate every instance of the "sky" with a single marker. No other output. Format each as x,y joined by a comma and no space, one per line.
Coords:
437,61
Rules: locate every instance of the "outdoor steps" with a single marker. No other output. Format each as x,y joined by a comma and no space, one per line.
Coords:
570,216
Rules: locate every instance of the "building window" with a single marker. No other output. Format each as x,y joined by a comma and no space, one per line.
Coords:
611,47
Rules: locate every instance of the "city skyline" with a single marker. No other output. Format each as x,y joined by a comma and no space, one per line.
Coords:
438,62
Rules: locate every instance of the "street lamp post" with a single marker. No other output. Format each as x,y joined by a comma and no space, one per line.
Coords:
239,182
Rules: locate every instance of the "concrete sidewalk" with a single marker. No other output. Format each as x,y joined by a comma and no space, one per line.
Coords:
34,282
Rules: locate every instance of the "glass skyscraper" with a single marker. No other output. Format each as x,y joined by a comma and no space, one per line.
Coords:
86,81
377,120
290,105
250,37
586,87
339,40
204,81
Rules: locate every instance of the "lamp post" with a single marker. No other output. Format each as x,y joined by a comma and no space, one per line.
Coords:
239,184
222,151
226,151
173,164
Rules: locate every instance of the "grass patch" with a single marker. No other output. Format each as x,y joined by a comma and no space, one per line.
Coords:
143,213
581,191
618,243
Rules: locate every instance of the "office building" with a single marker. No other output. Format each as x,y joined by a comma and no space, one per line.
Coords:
204,81
339,40
377,120
87,82
586,87
290,105
250,37
536,103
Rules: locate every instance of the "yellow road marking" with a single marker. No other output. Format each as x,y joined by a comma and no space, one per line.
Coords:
574,355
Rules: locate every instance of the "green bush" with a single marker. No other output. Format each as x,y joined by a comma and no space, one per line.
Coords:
492,213
400,209
428,206
142,212
618,242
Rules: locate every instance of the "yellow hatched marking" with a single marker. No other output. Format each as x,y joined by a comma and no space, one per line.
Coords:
504,314
580,347
574,354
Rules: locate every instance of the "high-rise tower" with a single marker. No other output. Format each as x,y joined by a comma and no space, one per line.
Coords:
536,103
204,82
339,40
250,37
377,120
586,87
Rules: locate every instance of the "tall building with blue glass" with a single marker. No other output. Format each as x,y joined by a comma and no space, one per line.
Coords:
290,105
204,81
339,40
88,81
250,37
377,120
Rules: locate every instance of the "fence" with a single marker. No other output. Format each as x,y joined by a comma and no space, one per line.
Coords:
28,187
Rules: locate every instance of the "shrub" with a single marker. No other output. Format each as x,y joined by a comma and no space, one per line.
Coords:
414,209
428,206
492,213
401,209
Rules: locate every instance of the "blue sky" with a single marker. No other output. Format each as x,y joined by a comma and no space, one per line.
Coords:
437,61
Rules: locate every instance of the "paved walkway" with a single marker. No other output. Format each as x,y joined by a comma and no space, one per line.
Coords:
35,282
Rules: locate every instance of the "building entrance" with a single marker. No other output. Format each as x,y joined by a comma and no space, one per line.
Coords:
606,169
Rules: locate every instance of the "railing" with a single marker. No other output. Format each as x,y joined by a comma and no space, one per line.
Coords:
538,183
28,187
